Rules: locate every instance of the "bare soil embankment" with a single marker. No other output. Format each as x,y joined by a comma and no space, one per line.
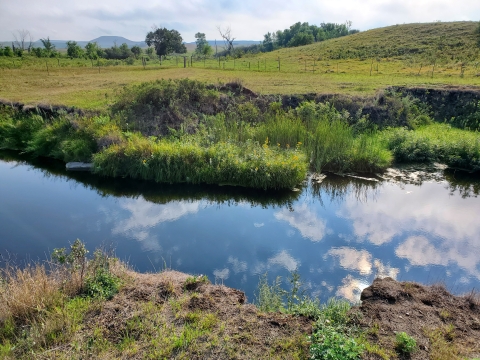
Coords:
444,326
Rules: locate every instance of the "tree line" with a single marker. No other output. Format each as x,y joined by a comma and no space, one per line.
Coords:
296,35
162,42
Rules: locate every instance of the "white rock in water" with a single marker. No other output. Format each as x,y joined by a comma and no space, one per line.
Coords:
79,166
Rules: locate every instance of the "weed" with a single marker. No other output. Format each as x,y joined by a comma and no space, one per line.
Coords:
404,343
374,329
442,346
444,315
102,283
375,349
269,298
192,282
333,345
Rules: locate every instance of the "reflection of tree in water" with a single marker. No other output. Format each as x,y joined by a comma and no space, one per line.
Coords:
467,185
156,192
336,188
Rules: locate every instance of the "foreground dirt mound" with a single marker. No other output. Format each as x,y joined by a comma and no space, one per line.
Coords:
175,316
444,326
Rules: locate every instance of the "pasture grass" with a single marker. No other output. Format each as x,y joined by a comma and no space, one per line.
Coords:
86,88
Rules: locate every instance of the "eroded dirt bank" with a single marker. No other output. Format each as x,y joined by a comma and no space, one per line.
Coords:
444,326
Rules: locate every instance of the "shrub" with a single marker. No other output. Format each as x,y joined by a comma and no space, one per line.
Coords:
154,107
404,343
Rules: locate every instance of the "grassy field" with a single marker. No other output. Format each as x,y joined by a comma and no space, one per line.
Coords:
431,55
86,88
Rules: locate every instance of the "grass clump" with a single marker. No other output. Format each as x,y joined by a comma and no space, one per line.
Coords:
44,306
442,346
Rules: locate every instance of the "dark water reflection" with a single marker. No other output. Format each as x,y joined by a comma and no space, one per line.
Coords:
339,234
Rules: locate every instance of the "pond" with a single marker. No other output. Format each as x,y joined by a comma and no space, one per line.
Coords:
339,233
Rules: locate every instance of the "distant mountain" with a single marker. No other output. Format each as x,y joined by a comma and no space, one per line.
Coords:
235,43
109,41
102,41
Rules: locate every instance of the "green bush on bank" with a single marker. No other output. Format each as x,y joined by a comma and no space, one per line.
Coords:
184,161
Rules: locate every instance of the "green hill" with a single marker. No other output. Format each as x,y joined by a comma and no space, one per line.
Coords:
441,40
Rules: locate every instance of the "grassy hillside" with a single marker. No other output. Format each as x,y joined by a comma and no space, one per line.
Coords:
444,40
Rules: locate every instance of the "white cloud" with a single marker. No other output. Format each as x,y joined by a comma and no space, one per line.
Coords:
419,251
285,260
145,215
305,220
352,259
351,288
222,274
88,19
431,210
238,266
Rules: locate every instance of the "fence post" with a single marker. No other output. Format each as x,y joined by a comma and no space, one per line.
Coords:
46,63
219,66
184,61
279,63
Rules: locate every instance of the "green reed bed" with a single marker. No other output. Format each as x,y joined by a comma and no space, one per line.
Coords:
186,161
438,142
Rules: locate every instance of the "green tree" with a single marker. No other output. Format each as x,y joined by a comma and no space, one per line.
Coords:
165,41
74,50
93,51
7,51
49,47
203,47
121,52
136,50
478,34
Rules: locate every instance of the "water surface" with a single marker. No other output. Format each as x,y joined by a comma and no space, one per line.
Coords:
339,234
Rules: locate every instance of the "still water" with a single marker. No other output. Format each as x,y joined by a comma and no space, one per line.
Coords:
338,234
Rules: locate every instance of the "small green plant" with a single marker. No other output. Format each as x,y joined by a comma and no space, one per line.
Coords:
329,344
444,315
269,298
192,282
404,343
102,283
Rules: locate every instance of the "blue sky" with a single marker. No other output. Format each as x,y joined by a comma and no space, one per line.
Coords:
248,19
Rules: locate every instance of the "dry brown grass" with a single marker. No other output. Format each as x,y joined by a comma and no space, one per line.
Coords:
24,292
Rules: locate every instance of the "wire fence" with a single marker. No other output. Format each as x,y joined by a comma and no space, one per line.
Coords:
300,64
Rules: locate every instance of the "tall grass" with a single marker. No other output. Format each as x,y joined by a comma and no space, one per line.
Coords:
184,161
438,142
